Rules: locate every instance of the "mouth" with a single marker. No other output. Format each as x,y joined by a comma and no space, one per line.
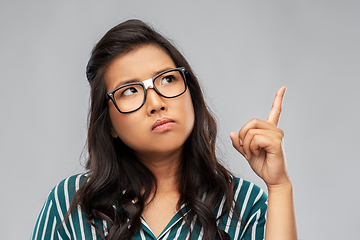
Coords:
162,124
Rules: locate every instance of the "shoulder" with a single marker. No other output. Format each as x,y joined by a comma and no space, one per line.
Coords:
65,190
251,203
247,193
249,197
247,218
52,215
71,183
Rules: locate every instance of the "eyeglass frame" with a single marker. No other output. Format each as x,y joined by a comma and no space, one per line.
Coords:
148,83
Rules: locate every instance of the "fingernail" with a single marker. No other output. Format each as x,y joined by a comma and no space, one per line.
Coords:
246,156
240,142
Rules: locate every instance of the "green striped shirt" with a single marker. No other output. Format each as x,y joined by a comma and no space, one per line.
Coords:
250,199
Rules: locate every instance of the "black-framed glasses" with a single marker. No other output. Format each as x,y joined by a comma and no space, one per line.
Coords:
131,97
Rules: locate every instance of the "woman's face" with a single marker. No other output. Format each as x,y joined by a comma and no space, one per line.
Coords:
136,129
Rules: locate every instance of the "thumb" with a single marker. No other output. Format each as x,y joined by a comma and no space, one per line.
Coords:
236,143
235,140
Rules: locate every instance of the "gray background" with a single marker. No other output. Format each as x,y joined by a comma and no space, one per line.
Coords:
242,52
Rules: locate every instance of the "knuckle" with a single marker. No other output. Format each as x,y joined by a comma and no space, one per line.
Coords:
256,138
278,137
255,122
254,148
281,132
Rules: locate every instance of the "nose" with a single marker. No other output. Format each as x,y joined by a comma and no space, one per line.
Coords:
154,102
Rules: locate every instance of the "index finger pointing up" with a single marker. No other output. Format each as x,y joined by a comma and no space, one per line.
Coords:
275,111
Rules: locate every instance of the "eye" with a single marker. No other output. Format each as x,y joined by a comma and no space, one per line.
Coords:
167,79
129,91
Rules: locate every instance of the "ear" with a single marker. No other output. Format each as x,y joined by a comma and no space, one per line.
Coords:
113,133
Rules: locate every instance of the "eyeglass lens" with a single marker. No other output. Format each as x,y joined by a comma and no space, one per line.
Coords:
131,96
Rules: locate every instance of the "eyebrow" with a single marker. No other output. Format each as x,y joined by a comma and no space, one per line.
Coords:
137,80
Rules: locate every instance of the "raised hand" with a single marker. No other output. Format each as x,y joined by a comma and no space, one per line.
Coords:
261,143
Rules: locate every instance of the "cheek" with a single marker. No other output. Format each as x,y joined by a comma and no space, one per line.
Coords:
132,129
188,112
122,124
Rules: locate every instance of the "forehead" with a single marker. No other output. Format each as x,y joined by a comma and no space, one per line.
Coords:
139,64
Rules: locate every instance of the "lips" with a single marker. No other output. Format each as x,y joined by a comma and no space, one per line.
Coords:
162,124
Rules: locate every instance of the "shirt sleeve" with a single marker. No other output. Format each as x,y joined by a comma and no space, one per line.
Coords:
53,222
255,216
47,223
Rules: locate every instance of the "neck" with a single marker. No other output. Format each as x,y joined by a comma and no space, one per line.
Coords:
165,169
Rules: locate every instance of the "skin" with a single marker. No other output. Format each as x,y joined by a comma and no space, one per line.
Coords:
135,129
261,143
159,150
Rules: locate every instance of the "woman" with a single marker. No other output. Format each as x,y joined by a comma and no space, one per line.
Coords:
152,168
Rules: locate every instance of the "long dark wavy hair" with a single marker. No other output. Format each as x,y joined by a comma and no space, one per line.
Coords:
116,176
